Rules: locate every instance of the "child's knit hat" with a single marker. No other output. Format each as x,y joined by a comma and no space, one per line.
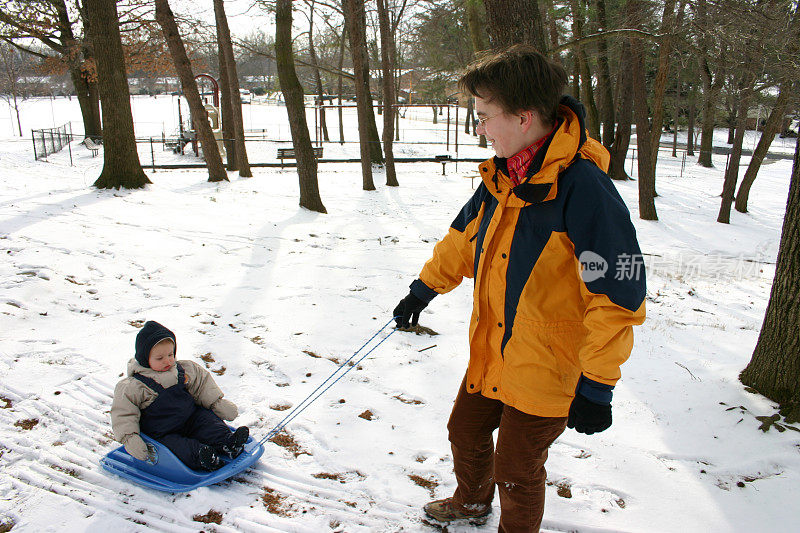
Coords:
151,334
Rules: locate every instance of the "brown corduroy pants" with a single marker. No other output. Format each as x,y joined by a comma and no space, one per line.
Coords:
516,466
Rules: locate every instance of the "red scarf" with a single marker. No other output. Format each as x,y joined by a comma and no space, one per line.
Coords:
518,164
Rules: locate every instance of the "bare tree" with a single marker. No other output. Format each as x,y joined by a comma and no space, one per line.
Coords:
604,83
647,178
121,166
293,96
355,22
767,135
788,66
323,124
224,39
477,36
622,137
711,54
389,99
774,369
226,108
9,84
49,22
166,19
582,63
669,21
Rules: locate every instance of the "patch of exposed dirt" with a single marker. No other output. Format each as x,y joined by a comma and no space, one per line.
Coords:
7,404
285,440
136,323
27,424
326,475
410,401
219,371
563,489
275,503
257,340
280,406
419,330
312,354
425,483
211,517
366,415
6,525
207,358
70,472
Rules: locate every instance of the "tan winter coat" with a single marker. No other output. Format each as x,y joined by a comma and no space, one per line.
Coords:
131,395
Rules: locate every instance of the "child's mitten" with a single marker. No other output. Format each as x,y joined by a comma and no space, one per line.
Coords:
136,447
225,409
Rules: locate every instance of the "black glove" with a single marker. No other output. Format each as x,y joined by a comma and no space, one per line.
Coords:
408,308
588,417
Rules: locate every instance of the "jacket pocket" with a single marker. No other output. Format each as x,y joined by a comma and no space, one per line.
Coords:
548,353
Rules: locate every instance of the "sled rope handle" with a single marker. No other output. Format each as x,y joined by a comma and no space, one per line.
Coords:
311,398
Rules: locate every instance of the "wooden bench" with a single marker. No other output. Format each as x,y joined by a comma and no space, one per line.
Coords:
288,153
89,143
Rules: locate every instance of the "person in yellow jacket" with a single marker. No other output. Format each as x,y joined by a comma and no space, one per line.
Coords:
559,283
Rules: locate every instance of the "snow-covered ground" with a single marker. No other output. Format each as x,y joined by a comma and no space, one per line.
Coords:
274,296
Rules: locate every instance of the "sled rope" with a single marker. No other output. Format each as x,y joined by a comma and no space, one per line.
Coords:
319,391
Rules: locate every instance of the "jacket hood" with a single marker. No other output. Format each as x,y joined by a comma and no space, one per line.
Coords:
151,334
568,142
135,368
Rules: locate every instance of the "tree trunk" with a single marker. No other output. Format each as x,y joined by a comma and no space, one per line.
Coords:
675,112
622,139
767,135
77,54
121,166
604,84
774,369
732,174
587,96
732,119
355,22
233,80
226,109
389,99
477,35
711,89
647,178
323,124
515,21
469,120
552,24
165,18
710,96
340,82
293,96
660,84
690,125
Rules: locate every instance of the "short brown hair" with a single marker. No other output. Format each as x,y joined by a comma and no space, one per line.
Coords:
517,78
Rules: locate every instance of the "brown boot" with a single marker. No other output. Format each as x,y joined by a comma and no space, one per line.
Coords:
445,511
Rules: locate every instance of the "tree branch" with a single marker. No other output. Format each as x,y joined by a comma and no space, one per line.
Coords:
296,60
604,34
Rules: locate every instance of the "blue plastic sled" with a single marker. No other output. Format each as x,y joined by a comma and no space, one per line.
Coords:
168,473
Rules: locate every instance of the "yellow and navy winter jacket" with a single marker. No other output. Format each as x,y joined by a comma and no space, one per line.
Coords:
559,280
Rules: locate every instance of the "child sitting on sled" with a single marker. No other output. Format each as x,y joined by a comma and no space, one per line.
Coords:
174,402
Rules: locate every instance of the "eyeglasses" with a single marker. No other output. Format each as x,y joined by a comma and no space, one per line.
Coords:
483,120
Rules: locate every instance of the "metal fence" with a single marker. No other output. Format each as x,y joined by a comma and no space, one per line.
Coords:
48,141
